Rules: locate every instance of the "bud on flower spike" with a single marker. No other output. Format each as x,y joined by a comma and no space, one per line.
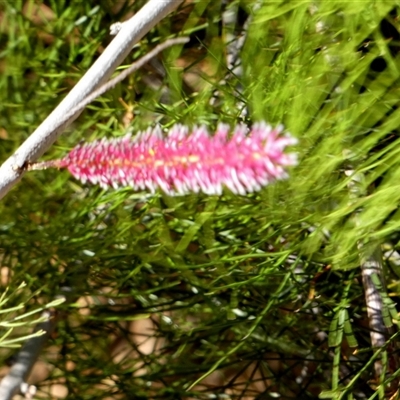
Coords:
181,162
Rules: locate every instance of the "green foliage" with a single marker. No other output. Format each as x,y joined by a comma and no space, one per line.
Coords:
11,319
199,296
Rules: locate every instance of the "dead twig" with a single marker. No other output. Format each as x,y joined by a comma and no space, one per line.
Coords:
15,380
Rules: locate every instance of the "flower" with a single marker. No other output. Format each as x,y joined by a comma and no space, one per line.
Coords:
179,163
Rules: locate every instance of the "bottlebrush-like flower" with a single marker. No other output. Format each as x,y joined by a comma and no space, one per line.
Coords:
179,163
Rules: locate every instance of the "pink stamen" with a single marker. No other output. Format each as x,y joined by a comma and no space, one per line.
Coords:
181,162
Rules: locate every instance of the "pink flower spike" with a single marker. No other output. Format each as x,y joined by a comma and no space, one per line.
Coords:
184,162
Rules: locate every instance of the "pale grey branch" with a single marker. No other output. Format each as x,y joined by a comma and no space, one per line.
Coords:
370,264
13,382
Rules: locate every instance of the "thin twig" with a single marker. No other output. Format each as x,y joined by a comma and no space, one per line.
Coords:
234,42
45,135
109,85
370,264
132,68
12,383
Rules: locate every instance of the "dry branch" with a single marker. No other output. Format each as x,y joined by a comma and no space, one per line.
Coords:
13,382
